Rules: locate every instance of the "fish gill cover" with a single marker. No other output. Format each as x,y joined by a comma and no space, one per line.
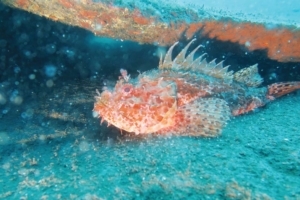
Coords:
51,147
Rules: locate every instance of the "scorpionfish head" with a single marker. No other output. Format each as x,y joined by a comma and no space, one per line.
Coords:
140,106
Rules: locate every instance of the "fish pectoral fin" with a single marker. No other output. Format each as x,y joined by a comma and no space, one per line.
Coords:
202,117
251,105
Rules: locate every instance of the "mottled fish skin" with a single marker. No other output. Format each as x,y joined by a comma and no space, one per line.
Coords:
185,96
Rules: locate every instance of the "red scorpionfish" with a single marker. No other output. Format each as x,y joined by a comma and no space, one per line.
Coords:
185,96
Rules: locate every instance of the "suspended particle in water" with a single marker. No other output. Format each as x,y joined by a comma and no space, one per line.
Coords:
273,76
15,98
50,70
50,48
17,69
84,146
31,76
50,83
4,138
27,114
247,44
2,99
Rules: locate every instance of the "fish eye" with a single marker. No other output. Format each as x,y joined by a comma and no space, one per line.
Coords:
127,89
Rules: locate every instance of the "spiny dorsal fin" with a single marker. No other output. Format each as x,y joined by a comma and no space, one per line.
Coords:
190,58
183,62
177,62
249,76
167,63
160,61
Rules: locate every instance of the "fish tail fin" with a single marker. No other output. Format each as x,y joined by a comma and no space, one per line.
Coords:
279,89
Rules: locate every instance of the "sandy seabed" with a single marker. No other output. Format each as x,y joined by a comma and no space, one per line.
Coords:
57,150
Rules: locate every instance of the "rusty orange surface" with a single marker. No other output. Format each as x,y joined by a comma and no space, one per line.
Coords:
282,43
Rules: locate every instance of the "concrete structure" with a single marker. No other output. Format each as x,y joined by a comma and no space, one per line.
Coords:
165,23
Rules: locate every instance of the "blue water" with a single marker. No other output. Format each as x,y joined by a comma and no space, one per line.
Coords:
51,146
